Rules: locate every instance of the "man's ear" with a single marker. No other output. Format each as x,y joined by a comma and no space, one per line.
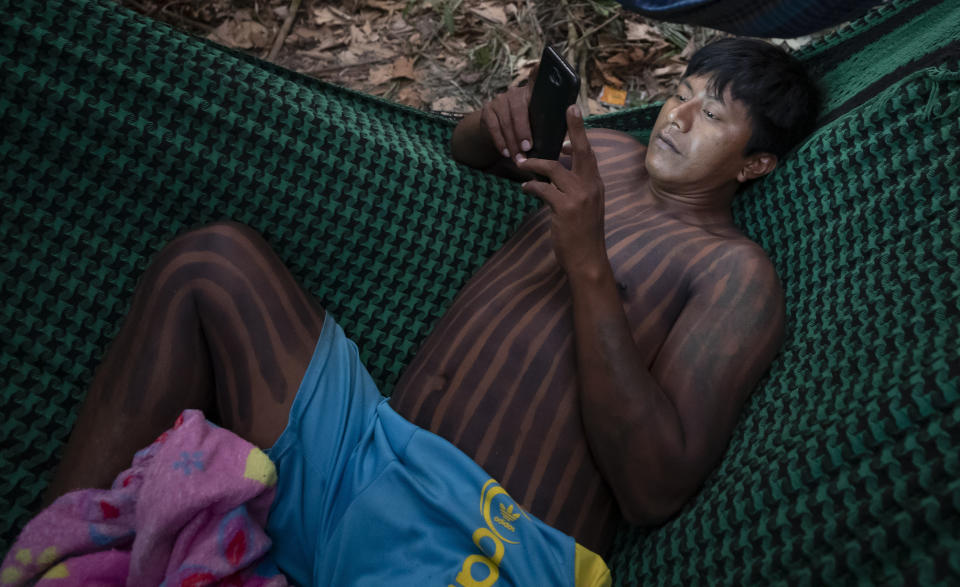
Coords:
757,165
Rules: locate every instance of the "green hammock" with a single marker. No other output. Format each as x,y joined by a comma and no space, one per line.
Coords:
118,133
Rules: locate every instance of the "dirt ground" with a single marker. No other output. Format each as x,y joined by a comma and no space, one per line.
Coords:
449,55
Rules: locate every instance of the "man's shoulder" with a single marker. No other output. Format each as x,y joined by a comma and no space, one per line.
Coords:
618,153
743,250
745,261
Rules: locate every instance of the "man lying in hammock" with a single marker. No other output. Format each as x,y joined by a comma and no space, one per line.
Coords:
595,366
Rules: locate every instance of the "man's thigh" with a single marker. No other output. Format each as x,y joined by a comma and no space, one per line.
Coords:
218,324
261,327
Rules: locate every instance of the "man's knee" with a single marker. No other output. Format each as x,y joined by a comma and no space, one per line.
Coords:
228,239
225,255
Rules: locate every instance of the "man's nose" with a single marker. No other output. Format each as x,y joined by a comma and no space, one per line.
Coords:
681,114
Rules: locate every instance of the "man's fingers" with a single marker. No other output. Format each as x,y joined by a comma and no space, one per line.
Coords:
506,118
492,123
545,191
545,167
583,158
507,127
520,112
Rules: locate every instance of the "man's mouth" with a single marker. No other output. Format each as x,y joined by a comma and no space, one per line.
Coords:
668,143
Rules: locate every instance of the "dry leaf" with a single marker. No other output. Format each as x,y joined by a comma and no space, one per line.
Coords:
379,51
672,70
245,34
606,72
381,74
527,62
326,42
324,15
446,104
454,62
638,31
348,57
399,25
620,59
469,76
491,12
384,5
302,33
357,36
638,55
410,96
612,79
403,68
524,67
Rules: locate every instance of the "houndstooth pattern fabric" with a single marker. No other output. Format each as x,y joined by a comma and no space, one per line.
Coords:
118,133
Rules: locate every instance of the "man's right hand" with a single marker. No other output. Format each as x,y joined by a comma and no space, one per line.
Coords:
507,121
500,129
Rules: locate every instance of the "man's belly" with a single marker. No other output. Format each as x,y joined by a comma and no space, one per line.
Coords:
497,379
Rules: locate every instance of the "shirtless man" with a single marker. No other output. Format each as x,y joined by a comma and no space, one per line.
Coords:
595,366
599,361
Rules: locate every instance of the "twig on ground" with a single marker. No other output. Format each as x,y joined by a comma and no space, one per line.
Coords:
600,26
469,98
284,30
333,68
589,33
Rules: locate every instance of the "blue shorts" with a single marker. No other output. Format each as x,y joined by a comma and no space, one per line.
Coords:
364,497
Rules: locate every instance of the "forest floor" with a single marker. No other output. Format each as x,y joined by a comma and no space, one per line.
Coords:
450,56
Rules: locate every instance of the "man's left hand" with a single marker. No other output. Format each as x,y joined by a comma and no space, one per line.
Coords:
575,198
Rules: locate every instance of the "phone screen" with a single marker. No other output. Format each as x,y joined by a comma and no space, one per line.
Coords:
554,90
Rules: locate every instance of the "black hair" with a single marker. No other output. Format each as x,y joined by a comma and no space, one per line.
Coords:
781,97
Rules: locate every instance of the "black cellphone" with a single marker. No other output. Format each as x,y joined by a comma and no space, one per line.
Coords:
555,89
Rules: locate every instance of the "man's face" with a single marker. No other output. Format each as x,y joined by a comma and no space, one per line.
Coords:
698,141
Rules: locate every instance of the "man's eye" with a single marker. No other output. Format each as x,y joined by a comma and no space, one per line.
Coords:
681,97
709,114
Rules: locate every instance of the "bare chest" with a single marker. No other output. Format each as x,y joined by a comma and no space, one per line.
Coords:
497,376
654,259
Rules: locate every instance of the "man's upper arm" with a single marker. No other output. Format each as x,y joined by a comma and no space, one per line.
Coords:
721,344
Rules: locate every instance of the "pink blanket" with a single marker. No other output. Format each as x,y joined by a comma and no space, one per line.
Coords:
190,511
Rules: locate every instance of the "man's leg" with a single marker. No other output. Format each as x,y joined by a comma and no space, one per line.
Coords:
217,324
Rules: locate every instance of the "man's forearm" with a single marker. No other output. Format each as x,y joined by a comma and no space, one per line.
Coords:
634,430
471,143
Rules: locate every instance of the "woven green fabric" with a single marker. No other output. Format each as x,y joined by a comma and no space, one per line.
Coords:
845,467
118,133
